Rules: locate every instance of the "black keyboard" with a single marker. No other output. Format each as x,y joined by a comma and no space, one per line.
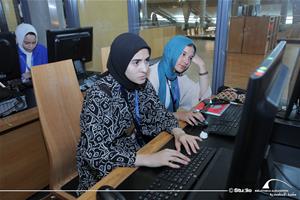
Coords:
170,181
226,124
88,81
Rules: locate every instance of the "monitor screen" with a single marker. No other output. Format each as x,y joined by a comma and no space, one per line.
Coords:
264,91
9,59
71,43
294,90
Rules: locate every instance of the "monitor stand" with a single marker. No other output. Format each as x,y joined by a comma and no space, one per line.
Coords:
85,78
286,132
295,114
79,69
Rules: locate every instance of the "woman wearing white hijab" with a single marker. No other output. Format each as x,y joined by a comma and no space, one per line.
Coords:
31,53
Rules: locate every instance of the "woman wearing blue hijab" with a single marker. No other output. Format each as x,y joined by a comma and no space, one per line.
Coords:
176,90
120,111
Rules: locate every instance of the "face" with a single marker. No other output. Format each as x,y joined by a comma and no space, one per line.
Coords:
29,42
185,59
138,67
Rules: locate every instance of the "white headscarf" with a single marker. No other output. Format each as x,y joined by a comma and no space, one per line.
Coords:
21,31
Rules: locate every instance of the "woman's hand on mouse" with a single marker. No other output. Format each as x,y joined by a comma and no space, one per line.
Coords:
189,117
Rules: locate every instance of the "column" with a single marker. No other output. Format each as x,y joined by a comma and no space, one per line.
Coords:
186,14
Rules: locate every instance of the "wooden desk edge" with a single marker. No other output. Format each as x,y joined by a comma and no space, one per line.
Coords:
18,119
118,175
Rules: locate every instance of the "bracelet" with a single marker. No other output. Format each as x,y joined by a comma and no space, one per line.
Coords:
202,74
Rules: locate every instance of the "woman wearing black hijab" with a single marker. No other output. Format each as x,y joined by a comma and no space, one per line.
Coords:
119,111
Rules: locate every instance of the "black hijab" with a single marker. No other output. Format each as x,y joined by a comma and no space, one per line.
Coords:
122,50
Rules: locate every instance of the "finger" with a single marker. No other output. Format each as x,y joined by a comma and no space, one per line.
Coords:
196,143
193,120
172,165
189,122
192,145
177,154
183,157
186,146
198,116
179,160
198,138
178,145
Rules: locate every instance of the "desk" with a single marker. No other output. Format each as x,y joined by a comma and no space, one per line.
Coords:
118,175
23,156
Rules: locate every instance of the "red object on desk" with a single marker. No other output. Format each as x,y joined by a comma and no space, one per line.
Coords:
216,110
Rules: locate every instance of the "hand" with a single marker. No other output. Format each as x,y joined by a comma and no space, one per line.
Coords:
166,157
200,63
189,117
188,141
26,75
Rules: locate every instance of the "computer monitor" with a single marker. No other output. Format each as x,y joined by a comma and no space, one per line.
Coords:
294,92
71,43
9,59
264,91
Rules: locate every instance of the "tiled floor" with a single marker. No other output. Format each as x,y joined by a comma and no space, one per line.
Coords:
239,66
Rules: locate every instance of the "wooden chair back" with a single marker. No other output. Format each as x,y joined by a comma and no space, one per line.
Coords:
104,57
59,102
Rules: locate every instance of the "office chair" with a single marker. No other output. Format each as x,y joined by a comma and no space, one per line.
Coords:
59,102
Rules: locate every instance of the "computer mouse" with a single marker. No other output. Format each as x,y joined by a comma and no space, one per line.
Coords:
203,135
202,123
107,192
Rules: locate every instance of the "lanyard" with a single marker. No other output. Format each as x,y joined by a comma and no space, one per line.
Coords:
173,100
136,108
136,115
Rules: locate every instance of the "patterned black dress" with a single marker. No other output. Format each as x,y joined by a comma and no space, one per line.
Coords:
105,120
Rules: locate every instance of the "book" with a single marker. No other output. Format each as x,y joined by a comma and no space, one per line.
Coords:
216,110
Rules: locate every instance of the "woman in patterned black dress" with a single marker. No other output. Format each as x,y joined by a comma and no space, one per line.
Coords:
120,111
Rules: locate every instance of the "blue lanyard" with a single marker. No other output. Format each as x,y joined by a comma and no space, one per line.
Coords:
173,97
136,108
136,116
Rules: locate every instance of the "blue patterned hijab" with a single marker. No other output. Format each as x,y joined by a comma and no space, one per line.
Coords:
166,70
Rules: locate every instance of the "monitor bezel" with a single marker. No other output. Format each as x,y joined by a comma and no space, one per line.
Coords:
55,36
12,70
259,111
294,88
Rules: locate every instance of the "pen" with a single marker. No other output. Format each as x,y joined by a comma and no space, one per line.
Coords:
234,103
199,111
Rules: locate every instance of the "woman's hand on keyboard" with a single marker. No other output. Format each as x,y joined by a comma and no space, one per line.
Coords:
189,117
166,157
189,142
